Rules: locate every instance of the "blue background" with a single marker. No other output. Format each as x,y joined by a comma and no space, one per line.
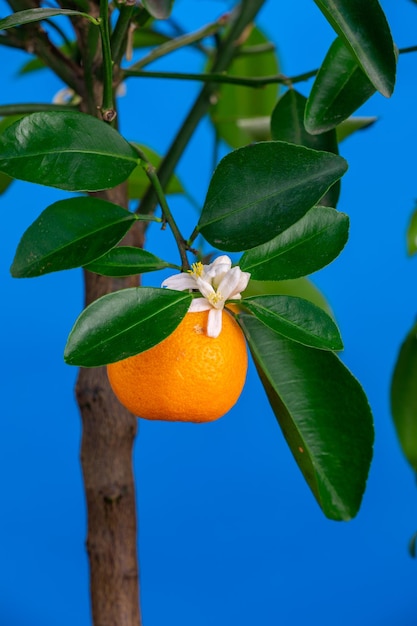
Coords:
229,532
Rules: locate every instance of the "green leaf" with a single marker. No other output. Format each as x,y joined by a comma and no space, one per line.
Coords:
35,15
404,397
239,113
68,150
299,287
412,234
353,124
5,182
287,124
323,413
5,122
296,319
339,89
70,233
159,9
138,182
124,323
365,31
259,191
305,247
126,261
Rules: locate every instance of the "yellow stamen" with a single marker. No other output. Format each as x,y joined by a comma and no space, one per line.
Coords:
215,298
197,269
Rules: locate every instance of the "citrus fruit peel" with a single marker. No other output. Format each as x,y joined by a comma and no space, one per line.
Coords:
189,376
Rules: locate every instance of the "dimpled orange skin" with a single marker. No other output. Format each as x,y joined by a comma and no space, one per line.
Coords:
188,377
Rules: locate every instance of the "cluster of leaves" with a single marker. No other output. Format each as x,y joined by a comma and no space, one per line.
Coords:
272,200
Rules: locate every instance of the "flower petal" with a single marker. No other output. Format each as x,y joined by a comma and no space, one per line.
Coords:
214,324
243,282
222,260
216,270
199,304
179,282
204,287
230,283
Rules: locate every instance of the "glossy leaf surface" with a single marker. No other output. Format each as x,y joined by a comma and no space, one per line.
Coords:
299,287
339,89
296,319
323,413
126,261
305,247
287,124
138,182
124,323
70,233
404,397
159,9
365,31
71,151
239,112
259,191
35,15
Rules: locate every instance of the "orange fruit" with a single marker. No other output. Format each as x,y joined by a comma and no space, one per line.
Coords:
188,377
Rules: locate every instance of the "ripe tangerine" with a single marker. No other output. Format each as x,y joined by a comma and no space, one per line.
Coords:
188,377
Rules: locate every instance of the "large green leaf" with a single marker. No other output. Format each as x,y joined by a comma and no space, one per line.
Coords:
287,124
323,413
124,323
35,15
365,30
299,287
126,261
339,89
69,150
239,112
138,182
70,233
259,191
296,319
404,397
305,247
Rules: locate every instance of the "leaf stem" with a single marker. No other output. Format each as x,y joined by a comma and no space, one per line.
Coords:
108,110
256,82
150,171
180,42
27,107
118,38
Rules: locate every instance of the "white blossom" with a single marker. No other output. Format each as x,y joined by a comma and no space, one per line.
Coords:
217,282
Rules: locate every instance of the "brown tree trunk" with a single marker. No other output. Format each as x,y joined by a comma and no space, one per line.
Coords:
106,456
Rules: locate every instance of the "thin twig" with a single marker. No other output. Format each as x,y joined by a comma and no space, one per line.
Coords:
150,171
